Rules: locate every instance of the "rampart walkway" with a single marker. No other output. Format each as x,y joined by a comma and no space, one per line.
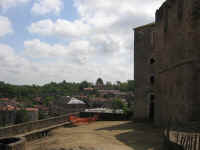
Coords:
101,135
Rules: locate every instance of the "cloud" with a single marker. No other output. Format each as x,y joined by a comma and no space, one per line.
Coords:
5,26
76,52
59,28
37,49
97,44
13,66
44,7
5,4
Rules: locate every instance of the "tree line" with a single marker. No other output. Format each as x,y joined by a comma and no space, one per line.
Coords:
54,89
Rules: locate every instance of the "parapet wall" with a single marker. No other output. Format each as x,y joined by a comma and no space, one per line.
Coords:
183,140
13,144
34,125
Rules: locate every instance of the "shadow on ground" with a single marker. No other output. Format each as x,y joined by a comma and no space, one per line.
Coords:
139,136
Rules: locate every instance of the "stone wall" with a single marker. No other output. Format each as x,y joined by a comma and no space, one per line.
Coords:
107,116
186,140
7,117
144,46
33,115
177,46
31,126
175,71
13,144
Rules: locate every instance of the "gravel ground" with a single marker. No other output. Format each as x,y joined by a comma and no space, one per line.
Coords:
109,135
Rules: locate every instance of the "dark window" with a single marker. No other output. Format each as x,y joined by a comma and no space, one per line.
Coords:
152,80
151,107
152,97
152,61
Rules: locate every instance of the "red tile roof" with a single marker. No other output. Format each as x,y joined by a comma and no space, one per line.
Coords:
4,99
8,108
31,109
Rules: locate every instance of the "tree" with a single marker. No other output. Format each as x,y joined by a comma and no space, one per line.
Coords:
83,85
123,86
131,85
117,103
108,85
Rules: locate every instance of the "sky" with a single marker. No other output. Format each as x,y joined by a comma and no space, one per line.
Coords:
74,40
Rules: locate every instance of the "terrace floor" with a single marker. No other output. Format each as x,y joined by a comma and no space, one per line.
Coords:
101,135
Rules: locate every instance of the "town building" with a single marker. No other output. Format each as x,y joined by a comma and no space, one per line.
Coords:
167,64
61,106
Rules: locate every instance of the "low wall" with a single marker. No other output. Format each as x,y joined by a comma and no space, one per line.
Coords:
106,116
13,143
33,125
187,140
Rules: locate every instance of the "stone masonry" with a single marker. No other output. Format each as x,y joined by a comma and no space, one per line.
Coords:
167,65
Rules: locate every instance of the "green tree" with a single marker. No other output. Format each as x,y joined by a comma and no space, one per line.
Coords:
109,85
83,85
117,103
131,85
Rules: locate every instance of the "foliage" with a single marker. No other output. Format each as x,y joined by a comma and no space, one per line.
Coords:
24,92
84,84
131,85
50,91
119,104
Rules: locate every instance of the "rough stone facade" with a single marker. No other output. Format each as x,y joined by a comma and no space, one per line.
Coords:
143,72
171,66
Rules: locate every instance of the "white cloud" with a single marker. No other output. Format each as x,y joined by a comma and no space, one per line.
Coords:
44,7
76,52
5,26
37,49
60,28
5,4
13,66
98,43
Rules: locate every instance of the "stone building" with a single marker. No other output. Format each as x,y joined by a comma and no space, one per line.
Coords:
143,71
32,113
167,65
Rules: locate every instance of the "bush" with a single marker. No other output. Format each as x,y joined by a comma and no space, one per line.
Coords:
119,104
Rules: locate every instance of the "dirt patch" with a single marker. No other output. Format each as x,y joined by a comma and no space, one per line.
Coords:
114,135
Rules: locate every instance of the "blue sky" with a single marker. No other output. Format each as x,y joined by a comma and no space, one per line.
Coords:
73,40
21,18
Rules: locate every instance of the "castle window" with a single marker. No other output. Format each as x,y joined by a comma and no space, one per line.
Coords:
152,80
152,97
152,61
152,107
